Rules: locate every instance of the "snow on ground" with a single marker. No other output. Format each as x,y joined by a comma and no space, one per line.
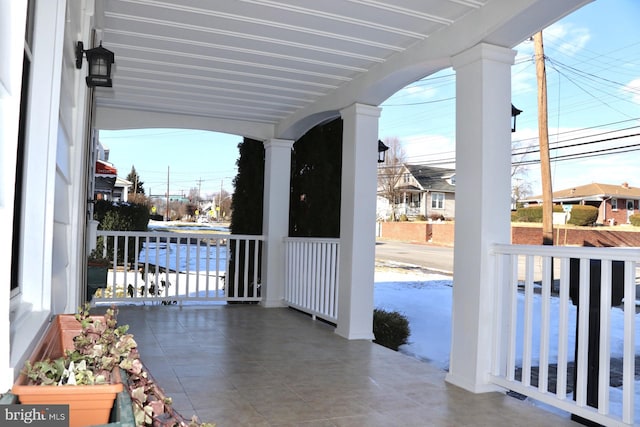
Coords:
425,298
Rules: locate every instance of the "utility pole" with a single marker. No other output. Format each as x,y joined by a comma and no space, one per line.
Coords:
199,187
543,136
167,208
220,204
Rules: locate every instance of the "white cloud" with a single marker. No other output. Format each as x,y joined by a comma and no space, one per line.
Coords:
567,38
633,88
429,148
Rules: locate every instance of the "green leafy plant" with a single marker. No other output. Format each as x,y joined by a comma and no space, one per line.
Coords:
101,347
96,258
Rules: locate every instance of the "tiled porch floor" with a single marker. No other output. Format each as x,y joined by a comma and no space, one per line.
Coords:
250,366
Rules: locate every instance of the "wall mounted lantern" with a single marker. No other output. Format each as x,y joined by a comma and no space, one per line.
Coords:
382,151
514,113
100,60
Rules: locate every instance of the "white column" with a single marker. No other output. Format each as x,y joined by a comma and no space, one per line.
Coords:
275,221
483,163
357,221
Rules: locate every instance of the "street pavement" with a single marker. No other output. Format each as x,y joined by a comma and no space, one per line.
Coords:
436,258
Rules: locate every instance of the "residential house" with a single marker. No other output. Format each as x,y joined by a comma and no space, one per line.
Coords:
426,191
269,71
121,189
104,180
615,203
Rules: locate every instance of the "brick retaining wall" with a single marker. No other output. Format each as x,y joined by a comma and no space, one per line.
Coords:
442,233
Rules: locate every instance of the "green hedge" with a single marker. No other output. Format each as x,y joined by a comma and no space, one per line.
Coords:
531,214
390,328
121,217
635,220
583,215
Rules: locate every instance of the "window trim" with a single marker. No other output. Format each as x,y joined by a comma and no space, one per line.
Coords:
439,202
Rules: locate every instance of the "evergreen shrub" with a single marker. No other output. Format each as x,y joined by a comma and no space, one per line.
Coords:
583,215
531,213
121,217
390,328
247,206
635,220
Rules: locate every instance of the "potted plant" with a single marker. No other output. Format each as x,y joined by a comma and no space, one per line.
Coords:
86,376
97,269
85,361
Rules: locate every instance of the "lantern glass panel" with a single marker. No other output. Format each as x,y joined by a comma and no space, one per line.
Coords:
98,67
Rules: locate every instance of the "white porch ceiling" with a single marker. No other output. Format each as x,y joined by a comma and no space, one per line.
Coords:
274,68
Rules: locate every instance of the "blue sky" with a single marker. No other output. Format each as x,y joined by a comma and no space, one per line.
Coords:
593,79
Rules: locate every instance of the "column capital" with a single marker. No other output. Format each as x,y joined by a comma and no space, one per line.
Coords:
361,109
278,143
483,51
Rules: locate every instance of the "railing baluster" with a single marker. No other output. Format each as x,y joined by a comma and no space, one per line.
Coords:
572,327
628,368
512,298
543,368
605,336
528,323
583,335
563,330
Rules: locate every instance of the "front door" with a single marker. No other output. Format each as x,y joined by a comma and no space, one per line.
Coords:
630,205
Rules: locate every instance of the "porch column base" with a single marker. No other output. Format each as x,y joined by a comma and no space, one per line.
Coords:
355,336
471,386
273,304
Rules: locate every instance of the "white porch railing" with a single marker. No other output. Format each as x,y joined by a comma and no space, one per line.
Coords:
311,276
539,332
172,267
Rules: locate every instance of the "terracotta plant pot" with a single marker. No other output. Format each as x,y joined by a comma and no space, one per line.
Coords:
88,404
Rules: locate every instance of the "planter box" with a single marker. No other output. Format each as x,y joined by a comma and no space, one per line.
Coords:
96,279
88,404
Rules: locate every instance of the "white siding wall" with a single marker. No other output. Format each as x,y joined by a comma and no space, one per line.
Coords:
52,214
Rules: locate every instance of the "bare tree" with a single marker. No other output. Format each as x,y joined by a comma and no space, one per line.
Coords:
223,205
520,186
194,195
390,172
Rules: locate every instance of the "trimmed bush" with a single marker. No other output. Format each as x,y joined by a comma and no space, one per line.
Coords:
390,328
583,215
635,220
532,213
121,217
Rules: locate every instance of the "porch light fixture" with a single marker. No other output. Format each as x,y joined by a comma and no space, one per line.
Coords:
100,60
382,151
514,113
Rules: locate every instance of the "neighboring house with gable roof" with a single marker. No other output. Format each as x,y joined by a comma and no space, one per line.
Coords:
423,191
615,203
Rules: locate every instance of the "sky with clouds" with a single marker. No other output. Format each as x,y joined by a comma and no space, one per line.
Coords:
593,80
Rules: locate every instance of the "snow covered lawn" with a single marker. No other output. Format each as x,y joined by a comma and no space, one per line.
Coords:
425,299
